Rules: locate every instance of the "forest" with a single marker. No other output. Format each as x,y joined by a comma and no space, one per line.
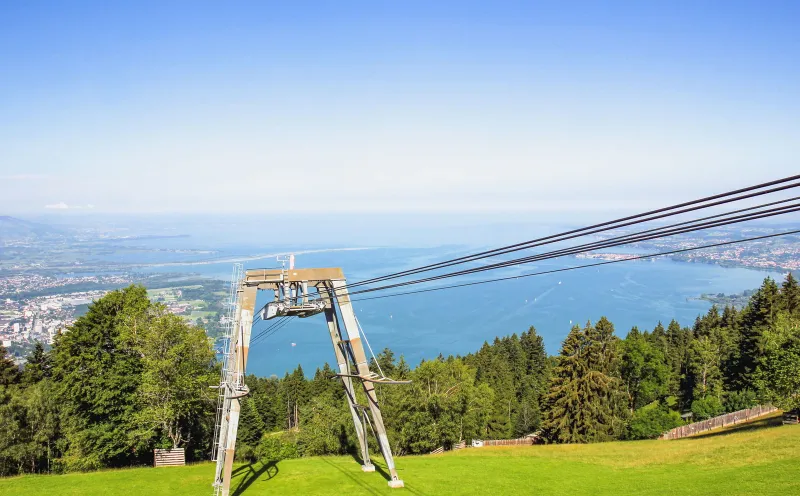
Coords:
129,376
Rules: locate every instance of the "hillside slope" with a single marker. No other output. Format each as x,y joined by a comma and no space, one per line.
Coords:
12,228
759,461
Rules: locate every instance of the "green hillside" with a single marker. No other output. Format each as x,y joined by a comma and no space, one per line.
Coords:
760,459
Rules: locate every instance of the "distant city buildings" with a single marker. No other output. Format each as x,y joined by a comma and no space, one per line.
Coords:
777,254
40,318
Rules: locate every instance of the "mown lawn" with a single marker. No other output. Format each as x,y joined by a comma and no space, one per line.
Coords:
760,459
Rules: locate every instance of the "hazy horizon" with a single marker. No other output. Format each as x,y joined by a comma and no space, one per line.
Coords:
196,107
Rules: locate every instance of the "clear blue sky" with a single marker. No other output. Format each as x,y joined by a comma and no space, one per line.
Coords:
392,105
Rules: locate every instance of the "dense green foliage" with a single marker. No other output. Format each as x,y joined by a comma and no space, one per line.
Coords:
652,421
598,388
128,377
125,378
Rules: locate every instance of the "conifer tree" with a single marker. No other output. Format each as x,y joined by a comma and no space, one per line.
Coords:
790,295
675,357
386,360
37,365
610,402
325,383
586,401
534,384
251,426
758,316
659,338
565,419
9,372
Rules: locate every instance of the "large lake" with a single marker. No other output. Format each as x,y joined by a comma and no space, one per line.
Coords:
458,321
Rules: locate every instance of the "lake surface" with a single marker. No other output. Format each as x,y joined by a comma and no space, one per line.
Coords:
458,321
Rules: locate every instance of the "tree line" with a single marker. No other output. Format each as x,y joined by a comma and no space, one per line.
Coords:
128,377
125,378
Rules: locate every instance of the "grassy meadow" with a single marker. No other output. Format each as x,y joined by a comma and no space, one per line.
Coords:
760,458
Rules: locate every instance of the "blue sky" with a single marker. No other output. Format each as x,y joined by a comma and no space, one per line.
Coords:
392,106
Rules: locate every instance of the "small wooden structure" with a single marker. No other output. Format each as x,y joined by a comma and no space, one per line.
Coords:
792,417
169,457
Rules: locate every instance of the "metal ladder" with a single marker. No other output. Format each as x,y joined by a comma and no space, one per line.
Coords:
226,380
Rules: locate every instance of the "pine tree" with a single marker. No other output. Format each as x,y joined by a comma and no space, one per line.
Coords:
537,363
251,426
790,295
386,361
9,372
758,316
677,340
296,395
611,401
585,402
659,338
565,419
729,339
37,365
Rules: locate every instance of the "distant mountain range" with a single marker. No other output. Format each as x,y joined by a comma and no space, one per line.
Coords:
12,228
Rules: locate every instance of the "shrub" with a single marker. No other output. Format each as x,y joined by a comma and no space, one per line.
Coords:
649,423
269,449
707,407
245,453
740,400
273,448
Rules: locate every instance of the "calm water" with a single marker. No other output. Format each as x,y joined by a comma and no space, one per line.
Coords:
458,321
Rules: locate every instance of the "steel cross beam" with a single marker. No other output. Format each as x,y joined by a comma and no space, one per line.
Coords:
291,285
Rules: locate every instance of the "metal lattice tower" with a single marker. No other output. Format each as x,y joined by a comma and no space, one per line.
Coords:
291,288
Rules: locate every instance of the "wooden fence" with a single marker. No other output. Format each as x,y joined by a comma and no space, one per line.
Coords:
525,441
717,422
457,446
168,457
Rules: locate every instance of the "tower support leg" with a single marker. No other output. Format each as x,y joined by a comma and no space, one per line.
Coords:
230,447
360,359
341,361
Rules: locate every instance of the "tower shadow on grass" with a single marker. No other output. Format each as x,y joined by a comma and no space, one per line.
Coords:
380,470
270,468
350,476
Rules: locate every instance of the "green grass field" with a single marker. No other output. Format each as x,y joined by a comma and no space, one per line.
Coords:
760,458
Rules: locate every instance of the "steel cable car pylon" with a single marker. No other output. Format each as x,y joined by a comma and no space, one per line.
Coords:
292,298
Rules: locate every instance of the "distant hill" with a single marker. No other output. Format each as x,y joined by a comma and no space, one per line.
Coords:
12,228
